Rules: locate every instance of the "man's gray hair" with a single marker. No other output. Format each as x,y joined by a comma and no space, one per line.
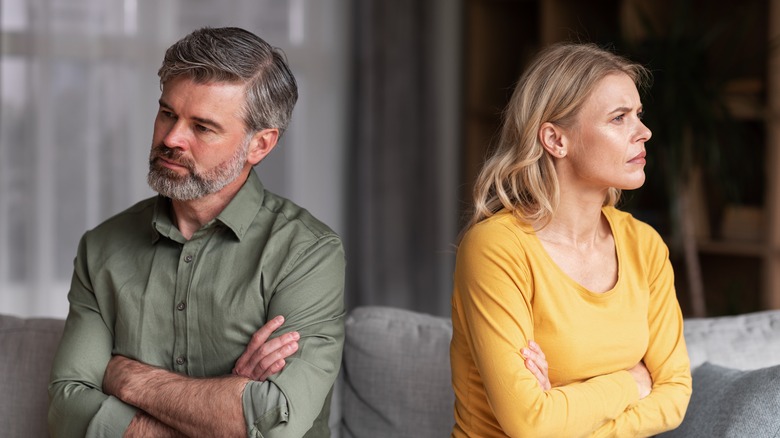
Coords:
231,54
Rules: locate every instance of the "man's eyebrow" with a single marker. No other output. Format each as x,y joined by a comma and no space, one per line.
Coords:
201,120
209,122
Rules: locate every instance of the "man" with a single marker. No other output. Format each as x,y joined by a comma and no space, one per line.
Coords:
215,308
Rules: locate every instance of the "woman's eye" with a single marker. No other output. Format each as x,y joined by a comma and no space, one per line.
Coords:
640,115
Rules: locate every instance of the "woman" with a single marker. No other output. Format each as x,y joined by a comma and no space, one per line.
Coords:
550,272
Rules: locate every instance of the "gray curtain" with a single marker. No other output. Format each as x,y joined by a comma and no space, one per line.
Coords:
403,160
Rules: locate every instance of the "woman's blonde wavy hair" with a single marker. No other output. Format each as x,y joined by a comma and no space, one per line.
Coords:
519,176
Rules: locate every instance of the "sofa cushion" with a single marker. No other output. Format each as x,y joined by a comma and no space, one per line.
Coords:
747,341
27,348
396,374
732,403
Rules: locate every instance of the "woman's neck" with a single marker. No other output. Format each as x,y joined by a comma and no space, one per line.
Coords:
577,221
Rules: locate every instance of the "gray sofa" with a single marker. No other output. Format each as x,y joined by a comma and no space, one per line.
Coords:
395,379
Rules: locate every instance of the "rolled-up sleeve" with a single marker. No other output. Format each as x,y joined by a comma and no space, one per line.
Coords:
311,298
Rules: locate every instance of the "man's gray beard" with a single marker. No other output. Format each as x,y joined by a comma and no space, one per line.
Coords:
193,185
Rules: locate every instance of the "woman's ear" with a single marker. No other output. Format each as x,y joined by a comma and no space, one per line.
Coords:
551,138
261,144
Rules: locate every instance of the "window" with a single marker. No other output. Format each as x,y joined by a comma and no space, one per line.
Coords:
78,94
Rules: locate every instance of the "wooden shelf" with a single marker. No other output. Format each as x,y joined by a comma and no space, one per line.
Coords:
502,35
744,99
733,247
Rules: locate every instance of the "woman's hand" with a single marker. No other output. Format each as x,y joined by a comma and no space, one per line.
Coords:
537,364
643,380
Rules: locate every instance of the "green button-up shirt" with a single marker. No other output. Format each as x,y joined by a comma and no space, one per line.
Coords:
140,289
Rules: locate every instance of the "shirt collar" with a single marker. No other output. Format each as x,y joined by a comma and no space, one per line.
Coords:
242,209
237,216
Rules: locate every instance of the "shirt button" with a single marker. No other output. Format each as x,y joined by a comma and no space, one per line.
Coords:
188,258
180,360
181,306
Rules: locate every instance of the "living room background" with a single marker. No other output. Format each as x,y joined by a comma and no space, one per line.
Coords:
399,102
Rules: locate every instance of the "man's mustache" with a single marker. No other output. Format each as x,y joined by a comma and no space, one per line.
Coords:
170,154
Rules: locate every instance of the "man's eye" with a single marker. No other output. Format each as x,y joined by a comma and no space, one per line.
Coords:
640,115
202,128
619,118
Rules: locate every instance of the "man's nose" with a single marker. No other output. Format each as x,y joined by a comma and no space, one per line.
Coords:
178,136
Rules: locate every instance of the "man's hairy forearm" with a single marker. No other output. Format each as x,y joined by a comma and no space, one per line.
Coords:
144,425
195,407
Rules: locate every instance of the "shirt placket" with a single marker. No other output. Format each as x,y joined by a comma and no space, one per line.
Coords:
182,323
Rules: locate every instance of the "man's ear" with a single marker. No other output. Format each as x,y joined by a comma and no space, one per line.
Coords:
551,138
261,144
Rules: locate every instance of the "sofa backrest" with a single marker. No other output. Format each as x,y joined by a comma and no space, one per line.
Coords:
396,379
27,348
746,342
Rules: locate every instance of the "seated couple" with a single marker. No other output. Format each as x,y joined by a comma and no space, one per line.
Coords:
216,308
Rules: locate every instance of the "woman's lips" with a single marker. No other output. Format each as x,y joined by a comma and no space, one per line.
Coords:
639,159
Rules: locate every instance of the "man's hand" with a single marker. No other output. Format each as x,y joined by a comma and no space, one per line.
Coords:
536,363
643,380
262,357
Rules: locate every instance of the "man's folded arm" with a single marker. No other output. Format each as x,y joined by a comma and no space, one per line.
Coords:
192,406
311,298
287,404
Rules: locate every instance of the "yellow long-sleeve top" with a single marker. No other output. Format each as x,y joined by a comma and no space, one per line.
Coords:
508,290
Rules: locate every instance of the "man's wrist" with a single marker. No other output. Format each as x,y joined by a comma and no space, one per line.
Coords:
125,379
144,425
